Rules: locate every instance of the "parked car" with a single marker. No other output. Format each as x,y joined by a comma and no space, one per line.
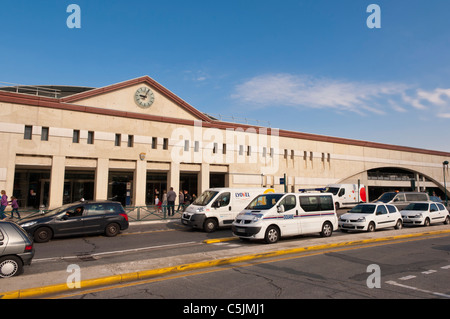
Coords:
425,213
77,219
16,249
402,199
371,216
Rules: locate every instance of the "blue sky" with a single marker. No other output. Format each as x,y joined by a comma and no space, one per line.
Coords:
305,65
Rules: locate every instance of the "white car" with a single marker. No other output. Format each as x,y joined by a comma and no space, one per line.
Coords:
371,216
425,213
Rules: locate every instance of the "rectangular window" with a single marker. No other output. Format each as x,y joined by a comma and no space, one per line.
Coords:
44,133
118,140
241,149
76,136
215,148
196,146
130,141
264,153
224,148
154,143
166,144
186,145
90,139
249,150
28,132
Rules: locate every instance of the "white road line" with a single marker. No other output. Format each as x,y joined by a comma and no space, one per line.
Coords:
391,282
112,252
446,267
429,272
407,277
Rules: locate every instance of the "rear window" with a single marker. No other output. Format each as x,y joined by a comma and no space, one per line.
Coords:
316,203
103,208
417,206
416,197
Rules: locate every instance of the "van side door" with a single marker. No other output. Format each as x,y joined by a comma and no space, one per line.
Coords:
222,210
287,220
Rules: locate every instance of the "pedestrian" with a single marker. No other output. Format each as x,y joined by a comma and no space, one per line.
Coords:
164,202
158,204
187,199
15,207
180,201
171,196
3,204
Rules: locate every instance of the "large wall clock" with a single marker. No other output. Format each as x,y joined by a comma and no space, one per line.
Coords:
144,97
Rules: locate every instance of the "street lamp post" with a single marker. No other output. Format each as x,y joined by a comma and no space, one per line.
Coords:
445,163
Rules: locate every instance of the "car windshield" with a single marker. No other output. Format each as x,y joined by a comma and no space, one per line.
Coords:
205,198
417,206
386,197
363,209
332,190
265,201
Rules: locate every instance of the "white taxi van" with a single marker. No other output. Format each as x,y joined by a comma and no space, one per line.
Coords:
271,216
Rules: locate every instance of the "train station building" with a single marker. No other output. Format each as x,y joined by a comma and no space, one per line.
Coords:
132,140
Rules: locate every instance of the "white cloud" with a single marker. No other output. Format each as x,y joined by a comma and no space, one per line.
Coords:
272,90
304,91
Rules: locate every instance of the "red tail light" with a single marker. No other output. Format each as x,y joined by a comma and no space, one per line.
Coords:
124,216
28,248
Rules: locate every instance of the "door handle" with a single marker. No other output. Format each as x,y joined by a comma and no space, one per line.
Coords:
1,243
229,208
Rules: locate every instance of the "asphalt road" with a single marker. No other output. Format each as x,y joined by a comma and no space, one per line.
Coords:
155,245
418,268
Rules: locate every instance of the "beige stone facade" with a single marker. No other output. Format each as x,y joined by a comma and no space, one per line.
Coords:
101,144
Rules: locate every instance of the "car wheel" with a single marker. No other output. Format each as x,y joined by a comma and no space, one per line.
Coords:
272,235
327,229
210,225
10,266
371,227
112,229
447,220
399,224
426,223
42,235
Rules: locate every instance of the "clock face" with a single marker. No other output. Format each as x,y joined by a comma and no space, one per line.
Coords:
144,97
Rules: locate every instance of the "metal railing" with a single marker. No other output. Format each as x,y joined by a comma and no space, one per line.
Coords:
135,213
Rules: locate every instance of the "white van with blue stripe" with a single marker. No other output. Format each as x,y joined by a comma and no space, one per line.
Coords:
275,215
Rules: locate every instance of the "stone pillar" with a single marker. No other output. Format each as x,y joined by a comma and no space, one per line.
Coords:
101,179
57,181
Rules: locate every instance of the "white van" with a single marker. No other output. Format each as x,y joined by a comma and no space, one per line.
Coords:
218,207
270,216
346,195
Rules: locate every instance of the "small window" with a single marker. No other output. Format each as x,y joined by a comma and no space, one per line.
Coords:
28,132
249,150
166,144
118,140
130,141
76,136
271,152
44,134
196,146
264,153
215,148
433,208
90,139
288,202
154,143
186,145
224,148
391,208
241,149
441,207
381,210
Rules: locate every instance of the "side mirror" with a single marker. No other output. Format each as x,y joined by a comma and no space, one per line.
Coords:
280,209
215,204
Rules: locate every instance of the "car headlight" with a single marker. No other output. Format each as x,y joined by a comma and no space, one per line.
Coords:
418,215
29,224
361,219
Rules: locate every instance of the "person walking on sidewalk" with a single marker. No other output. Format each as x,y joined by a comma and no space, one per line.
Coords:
171,196
3,204
15,207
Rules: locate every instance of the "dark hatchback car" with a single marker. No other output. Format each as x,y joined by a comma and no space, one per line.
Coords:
16,249
79,218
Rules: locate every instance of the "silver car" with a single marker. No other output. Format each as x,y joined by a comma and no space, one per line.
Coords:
16,249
